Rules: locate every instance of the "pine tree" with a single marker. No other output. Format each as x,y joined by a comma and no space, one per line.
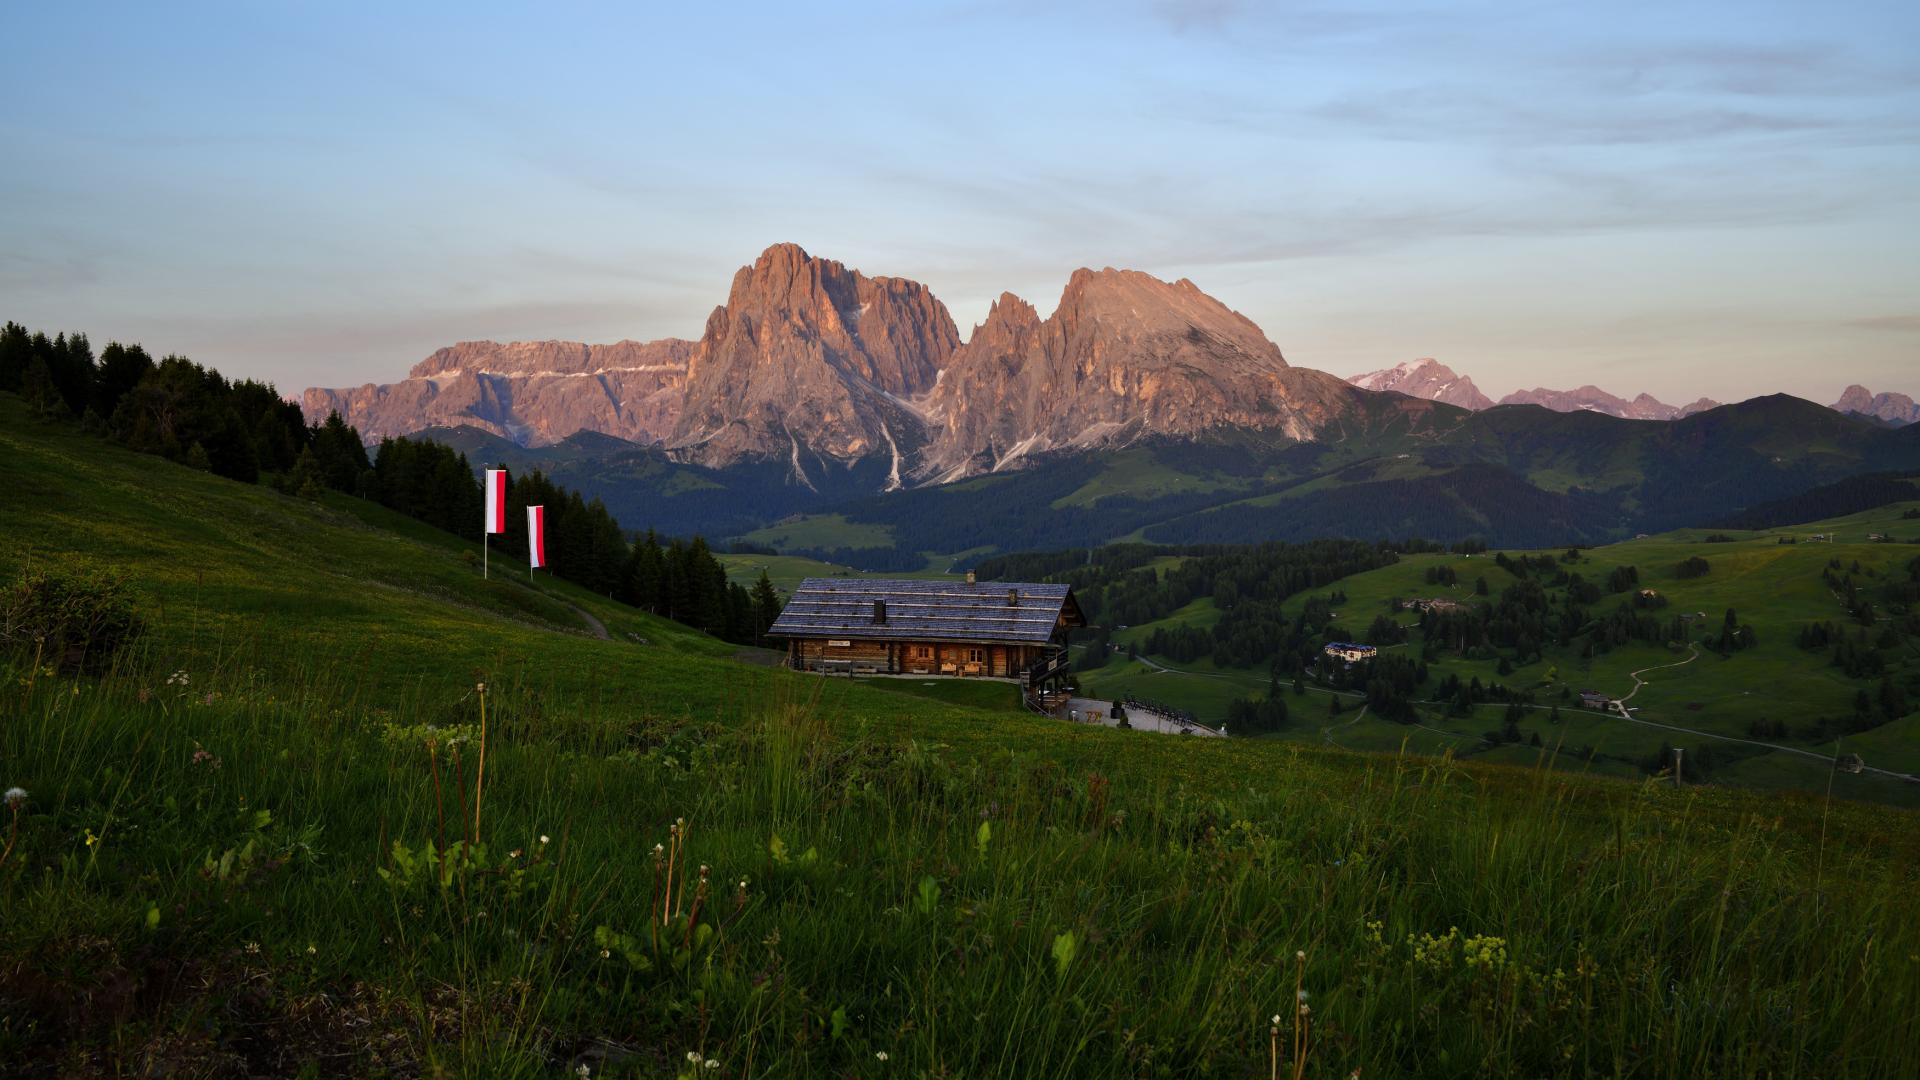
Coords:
766,606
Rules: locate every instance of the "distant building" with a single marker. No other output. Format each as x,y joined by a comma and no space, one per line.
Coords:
1350,652
1594,699
1431,604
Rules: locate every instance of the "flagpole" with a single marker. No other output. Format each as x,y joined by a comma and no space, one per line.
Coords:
483,554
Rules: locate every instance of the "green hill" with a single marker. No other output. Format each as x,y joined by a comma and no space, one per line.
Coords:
263,844
1773,714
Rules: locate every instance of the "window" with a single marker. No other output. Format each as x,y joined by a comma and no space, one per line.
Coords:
923,652
976,655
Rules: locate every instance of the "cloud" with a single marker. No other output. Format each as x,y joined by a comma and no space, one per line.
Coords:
1897,324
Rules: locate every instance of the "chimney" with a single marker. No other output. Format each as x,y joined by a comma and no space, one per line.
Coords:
879,613
969,577
1013,597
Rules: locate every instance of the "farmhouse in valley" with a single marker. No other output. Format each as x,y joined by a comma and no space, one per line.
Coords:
1436,603
1351,652
1594,699
876,626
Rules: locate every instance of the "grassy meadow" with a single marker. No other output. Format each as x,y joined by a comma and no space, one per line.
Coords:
347,808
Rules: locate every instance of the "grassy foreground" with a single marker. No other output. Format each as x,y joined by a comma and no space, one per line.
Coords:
244,852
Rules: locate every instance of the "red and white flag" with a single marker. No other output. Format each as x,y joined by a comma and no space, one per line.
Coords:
537,536
496,501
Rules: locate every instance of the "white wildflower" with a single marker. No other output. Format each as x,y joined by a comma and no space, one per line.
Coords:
880,1055
693,1057
543,838
1301,994
583,1072
18,795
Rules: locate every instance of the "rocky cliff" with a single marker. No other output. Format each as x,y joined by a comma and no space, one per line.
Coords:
533,392
1123,355
810,360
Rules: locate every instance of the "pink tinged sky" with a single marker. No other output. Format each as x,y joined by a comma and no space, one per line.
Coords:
1716,199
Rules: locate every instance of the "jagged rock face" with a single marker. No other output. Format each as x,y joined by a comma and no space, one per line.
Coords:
1593,399
1125,354
1893,408
534,392
1425,378
807,355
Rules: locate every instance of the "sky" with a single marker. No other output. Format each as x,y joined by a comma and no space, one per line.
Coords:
1687,199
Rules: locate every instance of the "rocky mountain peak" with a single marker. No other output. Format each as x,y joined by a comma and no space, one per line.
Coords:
807,353
1893,408
1124,354
1425,378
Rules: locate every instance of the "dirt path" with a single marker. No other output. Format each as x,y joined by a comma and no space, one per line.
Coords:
594,626
1639,682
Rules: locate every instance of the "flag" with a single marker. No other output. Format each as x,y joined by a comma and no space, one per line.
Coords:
496,501
537,536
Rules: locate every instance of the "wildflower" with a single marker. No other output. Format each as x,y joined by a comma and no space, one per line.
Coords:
1300,954
583,1072
208,700
312,950
145,695
1276,1018
712,1064
1301,994
17,795
543,838
253,948
604,954
880,1055
693,1058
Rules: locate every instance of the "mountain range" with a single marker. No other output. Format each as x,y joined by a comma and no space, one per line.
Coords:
1430,379
825,410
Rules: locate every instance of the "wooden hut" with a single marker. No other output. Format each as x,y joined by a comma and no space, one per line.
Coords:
879,626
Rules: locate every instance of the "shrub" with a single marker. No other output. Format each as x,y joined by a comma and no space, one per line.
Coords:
76,616
1692,567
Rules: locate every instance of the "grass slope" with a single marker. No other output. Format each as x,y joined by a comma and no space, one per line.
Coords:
239,856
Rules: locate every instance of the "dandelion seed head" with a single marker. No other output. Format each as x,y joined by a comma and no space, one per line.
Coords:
18,795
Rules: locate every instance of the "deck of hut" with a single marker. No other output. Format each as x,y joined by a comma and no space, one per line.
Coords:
987,630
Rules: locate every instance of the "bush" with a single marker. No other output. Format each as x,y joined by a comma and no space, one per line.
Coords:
75,616
1692,567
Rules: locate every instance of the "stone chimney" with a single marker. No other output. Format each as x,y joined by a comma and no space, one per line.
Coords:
879,613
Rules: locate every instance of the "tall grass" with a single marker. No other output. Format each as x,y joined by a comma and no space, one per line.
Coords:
216,871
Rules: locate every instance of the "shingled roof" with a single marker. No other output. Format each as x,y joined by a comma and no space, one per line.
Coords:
926,610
